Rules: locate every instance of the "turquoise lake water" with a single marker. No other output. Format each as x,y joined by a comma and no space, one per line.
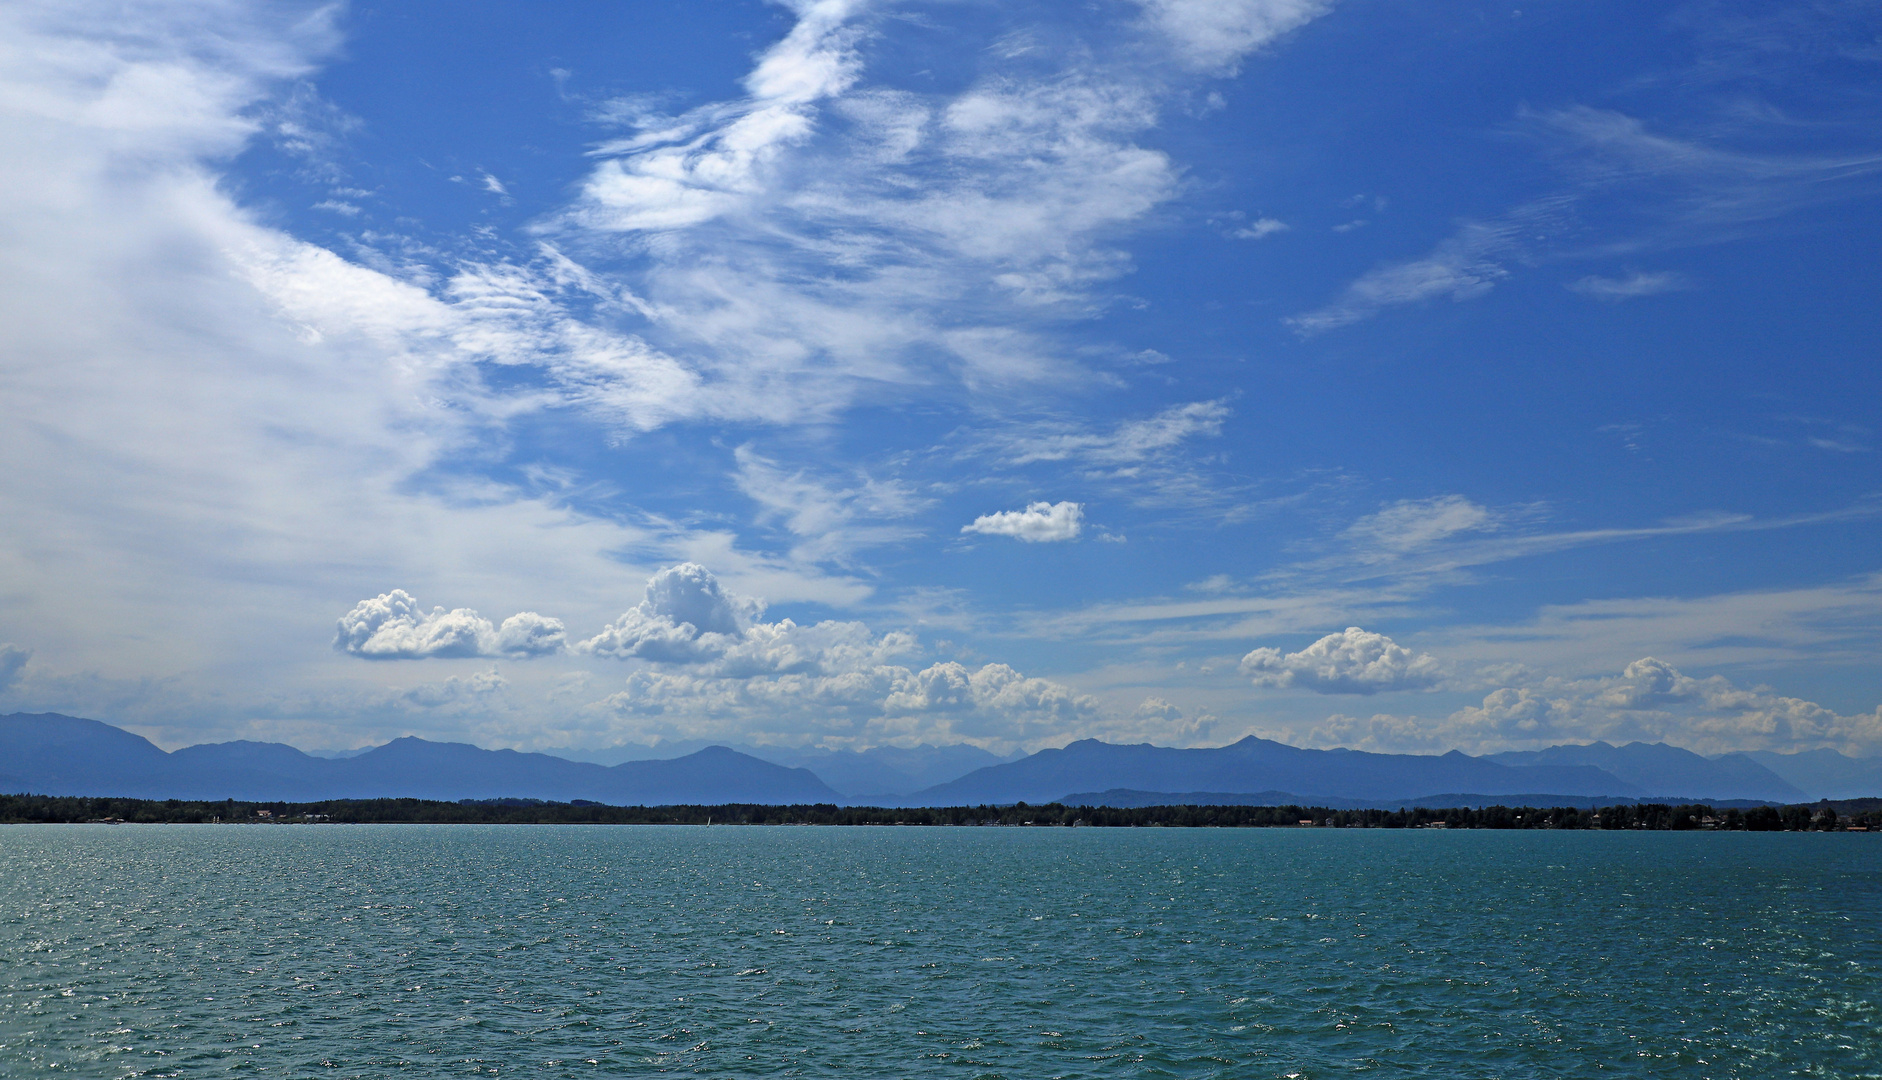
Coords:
409,950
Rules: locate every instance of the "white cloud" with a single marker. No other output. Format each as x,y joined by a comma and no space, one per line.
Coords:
1633,285
455,690
236,429
825,237
832,519
715,667
270,440
1214,35
688,595
1413,524
392,626
716,159
1259,228
1040,522
1154,461
1829,624
529,634
685,617
1648,701
867,704
1128,442
688,619
1433,538
1692,193
1353,661
1155,708
1461,268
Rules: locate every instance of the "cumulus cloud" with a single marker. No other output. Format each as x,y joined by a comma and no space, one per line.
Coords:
393,626
1155,708
685,616
1648,701
946,702
1354,661
1039,523
712,660
1651,699
687,619
953,687
529,634
1159,721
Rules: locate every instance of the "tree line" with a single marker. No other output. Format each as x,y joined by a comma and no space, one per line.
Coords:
1859,814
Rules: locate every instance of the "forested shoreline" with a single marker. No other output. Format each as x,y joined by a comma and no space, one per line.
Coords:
1859,815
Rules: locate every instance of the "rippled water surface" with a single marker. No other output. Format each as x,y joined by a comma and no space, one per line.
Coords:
547,950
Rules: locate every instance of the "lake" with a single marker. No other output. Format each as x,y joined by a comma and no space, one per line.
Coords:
460,950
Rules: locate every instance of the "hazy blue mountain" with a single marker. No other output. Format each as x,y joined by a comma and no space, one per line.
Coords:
1126,799
64,755
882,772
1260,765
339,755
873,775
1659,769
420,769
664,750
248,770
1822,774
719,774
50,754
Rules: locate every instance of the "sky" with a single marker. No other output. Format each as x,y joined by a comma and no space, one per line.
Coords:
586,376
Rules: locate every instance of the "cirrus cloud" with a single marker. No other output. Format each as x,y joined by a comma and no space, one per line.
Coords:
1214,35
1636,284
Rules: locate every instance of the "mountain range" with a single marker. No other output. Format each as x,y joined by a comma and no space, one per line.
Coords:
875,775
1269,769
49,754
61,755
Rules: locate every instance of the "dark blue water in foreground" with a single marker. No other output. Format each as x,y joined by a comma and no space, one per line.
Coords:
465,950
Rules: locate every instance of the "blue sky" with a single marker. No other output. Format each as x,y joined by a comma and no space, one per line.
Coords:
565,377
